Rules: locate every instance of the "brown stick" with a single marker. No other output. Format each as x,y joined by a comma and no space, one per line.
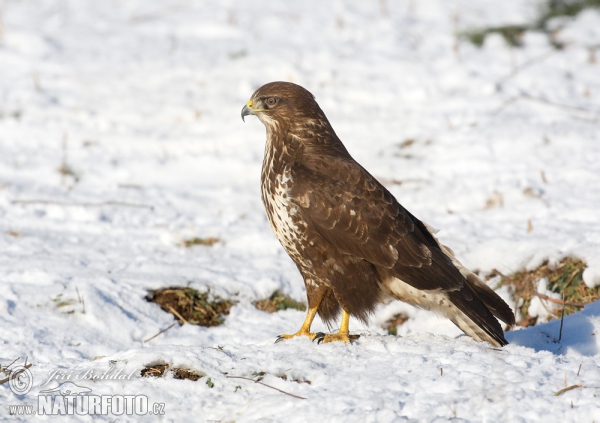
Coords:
12,376
161,332
264,384
567,389
554,300
545,297
177,314
498,273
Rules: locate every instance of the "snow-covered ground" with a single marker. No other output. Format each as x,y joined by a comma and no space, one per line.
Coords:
141,101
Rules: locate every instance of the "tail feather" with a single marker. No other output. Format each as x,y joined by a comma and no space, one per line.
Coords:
475,319
493,302
487,301
473,308
463,307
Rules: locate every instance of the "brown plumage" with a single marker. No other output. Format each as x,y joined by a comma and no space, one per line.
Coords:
353,243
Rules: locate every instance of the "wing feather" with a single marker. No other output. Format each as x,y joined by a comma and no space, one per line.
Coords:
353,212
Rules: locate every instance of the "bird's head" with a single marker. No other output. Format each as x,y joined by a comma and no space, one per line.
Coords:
279,103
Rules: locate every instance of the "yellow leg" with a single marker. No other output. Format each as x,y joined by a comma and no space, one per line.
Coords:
305,329
343,335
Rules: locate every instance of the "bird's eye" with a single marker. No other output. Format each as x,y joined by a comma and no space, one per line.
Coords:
271,101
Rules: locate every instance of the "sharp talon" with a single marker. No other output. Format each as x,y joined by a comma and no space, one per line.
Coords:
319,337
279,339
322,338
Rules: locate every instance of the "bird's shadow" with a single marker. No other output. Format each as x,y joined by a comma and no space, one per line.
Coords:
579,333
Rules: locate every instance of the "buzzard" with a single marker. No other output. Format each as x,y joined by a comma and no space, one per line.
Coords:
351,240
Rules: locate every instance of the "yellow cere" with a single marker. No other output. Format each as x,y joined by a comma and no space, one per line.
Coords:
249,104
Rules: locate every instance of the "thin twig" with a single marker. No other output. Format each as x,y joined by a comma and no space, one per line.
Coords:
562,318
561,302
85,204
13,362
161,332
80,299
567,389
498,273
542,296
552,103
264,384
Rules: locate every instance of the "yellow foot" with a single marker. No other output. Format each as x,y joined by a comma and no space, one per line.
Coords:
299,333
321,337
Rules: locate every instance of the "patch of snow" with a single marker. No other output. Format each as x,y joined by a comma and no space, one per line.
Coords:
141,101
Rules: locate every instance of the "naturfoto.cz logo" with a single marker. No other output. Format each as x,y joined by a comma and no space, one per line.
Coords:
70,398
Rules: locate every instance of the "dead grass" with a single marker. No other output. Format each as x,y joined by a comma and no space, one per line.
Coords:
186,374
279,301
496,199
564,279
159,370
191,306
406,143
190,242
391,325
154,370
68,304
66,170
285,377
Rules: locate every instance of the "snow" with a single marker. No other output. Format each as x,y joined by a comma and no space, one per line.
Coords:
141,99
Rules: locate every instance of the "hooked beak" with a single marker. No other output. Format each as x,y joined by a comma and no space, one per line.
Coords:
247,110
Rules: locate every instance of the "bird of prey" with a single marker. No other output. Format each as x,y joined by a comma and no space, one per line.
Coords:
352,241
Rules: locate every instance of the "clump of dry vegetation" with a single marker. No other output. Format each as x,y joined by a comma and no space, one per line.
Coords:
159,370
279,301
565,279
191,306
190,242
391,325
